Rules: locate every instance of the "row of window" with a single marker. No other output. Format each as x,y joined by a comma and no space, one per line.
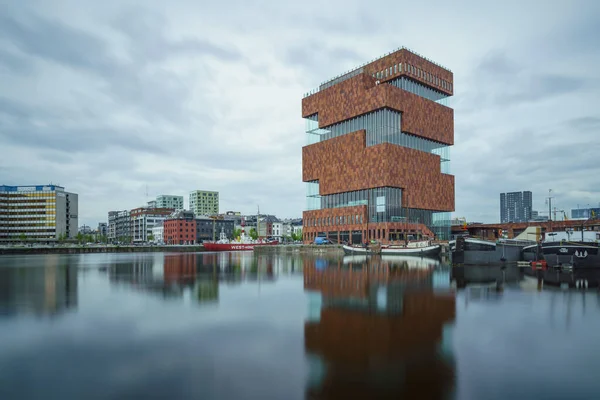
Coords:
49,195
23,206
333,221
415,71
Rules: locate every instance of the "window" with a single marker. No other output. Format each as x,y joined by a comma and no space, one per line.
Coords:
386,72
400,67
380,204
396,68
390,70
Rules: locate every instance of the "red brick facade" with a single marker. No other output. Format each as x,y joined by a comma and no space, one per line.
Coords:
350,218
345,164
360,95
179,231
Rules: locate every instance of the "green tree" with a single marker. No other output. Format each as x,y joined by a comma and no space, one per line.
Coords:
79,237
237,233
253,234
297,235
62,237
150,237
22,237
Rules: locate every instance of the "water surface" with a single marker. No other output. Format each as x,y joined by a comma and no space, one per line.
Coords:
242,326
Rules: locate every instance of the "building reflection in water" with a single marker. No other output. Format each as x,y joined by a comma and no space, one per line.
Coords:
200,274
377,328
48,289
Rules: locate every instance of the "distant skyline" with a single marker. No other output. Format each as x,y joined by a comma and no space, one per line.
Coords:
106,98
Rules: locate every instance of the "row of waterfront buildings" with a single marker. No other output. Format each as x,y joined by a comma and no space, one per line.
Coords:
165,221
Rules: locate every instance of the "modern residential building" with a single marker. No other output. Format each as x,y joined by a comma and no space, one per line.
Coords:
119,226
376,164
516,207
151,204
203,202
102,229
38,212
210,228
180,228
143,220
169,201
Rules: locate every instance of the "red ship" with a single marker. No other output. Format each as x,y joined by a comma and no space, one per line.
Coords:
244,243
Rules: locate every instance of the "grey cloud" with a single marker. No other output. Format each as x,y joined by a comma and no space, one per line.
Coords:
155,93
55,41
321,61
78,139
499,80
497,63
540,87
584,123
14,63
145,30
13,109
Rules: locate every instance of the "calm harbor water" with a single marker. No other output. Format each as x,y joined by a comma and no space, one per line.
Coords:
242,326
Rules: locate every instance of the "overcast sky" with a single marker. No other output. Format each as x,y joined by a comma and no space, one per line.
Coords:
109,97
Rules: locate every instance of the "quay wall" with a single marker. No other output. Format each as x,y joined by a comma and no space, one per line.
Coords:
99,249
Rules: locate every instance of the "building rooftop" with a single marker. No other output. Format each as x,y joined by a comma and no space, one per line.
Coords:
29,188
359,69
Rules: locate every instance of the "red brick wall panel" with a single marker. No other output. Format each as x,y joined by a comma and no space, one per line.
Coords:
360,95
344,164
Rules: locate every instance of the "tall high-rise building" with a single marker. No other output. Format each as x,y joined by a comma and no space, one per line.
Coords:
38,212
516,207
377,161
169,201
203,202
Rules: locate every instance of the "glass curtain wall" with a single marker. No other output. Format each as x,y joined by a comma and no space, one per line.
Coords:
441,225
314,134
313,199
384,203
381,126
419,89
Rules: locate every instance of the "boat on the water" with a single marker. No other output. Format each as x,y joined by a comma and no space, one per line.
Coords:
579,249
418,249
471,251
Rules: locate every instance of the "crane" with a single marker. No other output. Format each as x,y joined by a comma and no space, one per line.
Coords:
560,211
